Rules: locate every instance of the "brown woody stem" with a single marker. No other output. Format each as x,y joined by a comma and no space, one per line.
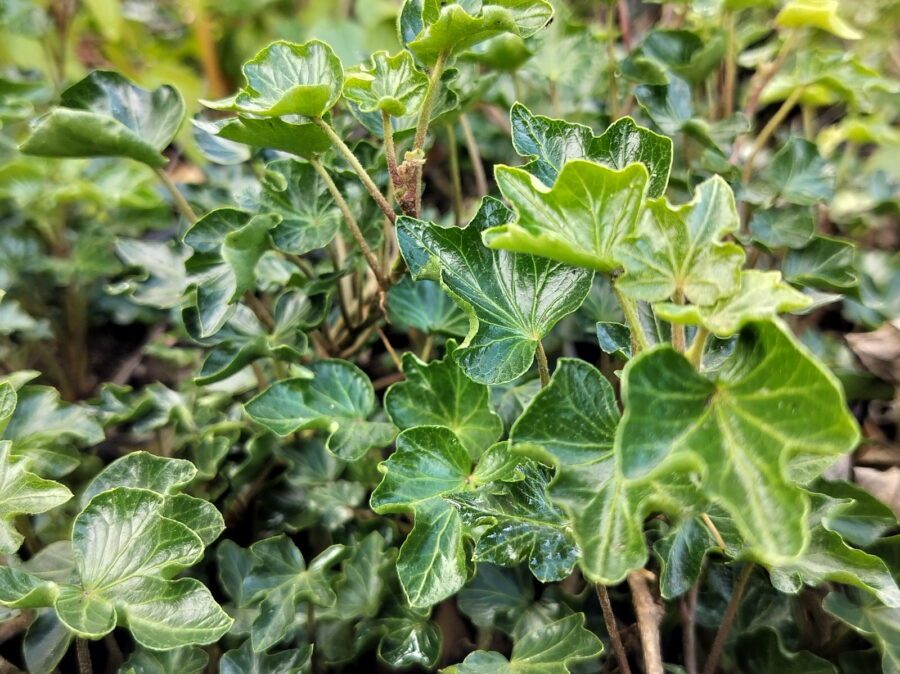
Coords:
612,629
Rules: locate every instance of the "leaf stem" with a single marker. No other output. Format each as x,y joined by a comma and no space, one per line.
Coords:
639,340
718,646
677,328
428,100
612,629
543,366
454,176
83,652
351,223
695,353
390,152
481,185
730,64
611,64
180,202
260,310
713,530
648,618
364,177
390,349
768,130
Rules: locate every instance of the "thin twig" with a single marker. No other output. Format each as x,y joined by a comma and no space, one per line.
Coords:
454,175
648,618
481,186
543,367
364,177
730,65
83,652
351,223
390,349
180,202
714,531
718,646
612,629
768,130
688,608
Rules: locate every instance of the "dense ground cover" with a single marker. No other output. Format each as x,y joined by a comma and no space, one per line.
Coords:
484,336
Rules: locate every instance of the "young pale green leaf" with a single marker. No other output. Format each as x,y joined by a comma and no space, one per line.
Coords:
679,251
105,115
293,135
581,220
517,523
439,394
391,84
424,306
430,28
228,244
288,79
294,191
876,622
21,493
339,399
512,300
550,143
762,296
278,581
552,649
142,470
771,415
244,661
185,660
821,14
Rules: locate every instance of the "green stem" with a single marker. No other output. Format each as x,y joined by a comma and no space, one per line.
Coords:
611,64
677,328
351,223
390,151
543,366
364,177
639,340
695,353
718,646
180,202
481,185
454,175
730,65
428,101
768,130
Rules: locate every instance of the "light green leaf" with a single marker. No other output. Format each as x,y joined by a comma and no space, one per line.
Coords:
339,399
185,660
878,623
772,413
821,14
390,84
228,244
105,115
279,580
144,471
512,300
429,27
22,492
19,589
762,295
679,249
860,518
439,394
552,649
423,305
410,639
550,143
288,79
581,220
293,135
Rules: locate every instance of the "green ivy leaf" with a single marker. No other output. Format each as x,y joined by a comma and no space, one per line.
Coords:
771,413
424,306
105,115
552,649
762,653
228,244
362,585
550,143
761,296
798,174
876,622
790,227
297,136
410,639
429,28
125,550
682,52
859,518
339,399
278,581
679,249
288,79
825,263
439,394
581,220
821,14
244,661
512,300
185,660
496,596
22,492
391,84
517,523
144,471
309,217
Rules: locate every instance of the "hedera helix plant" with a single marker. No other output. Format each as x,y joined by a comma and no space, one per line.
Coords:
562,418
